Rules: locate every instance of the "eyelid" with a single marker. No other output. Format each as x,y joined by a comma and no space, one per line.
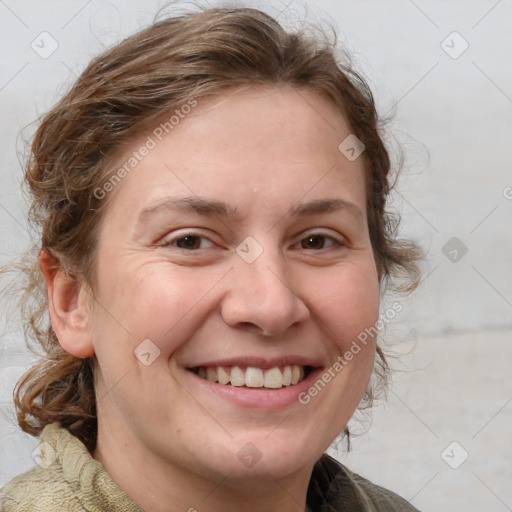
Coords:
327,233
168,241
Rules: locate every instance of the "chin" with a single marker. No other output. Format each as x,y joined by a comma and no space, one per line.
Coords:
264,456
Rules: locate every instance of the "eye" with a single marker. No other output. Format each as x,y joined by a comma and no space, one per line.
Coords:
189,242
319,241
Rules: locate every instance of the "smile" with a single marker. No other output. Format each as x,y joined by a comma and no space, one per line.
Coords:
253,377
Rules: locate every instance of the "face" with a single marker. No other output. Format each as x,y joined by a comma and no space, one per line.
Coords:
238,249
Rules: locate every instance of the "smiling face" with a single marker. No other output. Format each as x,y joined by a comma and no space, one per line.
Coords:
238,245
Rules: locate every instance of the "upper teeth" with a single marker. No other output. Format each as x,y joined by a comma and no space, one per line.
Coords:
251,377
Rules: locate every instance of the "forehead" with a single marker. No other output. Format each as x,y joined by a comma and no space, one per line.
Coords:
267,146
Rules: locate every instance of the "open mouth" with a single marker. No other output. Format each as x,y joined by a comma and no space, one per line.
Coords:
252,377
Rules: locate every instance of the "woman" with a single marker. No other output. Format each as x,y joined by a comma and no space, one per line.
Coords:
211,197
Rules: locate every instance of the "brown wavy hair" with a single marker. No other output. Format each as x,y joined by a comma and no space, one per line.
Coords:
121,92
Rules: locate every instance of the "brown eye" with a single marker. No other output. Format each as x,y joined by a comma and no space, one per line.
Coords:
190,242
315,242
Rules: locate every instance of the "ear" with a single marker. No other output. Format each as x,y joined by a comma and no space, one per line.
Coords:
69,314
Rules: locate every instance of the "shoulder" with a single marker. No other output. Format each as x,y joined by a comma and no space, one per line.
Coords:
45,486
334,487
67,477
39,489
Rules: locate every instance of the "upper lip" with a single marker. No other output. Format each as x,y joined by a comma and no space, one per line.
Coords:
259,362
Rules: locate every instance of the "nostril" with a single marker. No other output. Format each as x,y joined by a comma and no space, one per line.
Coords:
253,328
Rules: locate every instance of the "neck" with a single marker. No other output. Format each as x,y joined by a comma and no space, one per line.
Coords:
153,483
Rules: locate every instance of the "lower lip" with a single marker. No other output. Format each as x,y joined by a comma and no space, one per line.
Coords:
259,398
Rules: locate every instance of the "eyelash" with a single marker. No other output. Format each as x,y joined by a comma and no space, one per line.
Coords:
171,243
333,240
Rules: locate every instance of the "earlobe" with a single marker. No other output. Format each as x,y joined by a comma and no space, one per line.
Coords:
70,318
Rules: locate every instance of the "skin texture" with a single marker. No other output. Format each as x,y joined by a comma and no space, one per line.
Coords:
163,436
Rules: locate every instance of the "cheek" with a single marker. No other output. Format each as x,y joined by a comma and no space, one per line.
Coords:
159,302
346,302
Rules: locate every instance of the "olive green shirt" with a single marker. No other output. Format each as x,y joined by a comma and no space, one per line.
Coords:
69,479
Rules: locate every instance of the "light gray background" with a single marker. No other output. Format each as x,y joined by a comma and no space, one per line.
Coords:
454,119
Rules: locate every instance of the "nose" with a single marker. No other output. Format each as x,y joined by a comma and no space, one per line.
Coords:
261,299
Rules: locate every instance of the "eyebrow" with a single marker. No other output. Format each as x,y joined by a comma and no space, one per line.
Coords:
326,206
191,204
210,207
